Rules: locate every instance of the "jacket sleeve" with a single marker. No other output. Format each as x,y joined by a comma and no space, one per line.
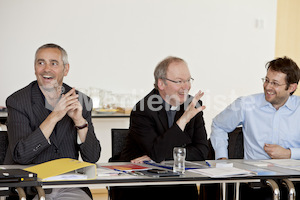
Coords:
90,149
158,142
25,143
198,148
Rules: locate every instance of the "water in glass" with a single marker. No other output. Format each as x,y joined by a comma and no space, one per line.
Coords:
179,154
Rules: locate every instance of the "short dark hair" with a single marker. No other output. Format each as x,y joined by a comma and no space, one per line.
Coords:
286,66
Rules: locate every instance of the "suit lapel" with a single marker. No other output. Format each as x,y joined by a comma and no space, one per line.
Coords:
39,109
64,124
38,105
162,115
179,113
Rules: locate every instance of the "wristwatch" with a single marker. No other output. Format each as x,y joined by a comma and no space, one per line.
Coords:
82,126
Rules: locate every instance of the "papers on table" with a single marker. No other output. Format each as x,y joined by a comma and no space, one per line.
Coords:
258,163
125,167
223,172
284,163
103,172
121,170
68,176
169,164
219,165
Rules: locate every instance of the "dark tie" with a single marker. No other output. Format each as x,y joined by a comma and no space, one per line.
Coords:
171,115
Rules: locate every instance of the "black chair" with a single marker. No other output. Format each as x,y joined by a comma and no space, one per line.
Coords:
15,193
235,145
118,139
3,145
235,151
3,148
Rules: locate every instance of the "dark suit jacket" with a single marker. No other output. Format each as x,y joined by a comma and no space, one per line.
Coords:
150,135
28,145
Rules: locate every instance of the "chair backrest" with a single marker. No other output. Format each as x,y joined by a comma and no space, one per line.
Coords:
118,139
235,145
3,145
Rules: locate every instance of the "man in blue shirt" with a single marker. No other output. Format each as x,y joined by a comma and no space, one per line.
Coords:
270,120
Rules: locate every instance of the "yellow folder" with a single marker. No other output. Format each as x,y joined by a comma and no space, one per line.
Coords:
64,169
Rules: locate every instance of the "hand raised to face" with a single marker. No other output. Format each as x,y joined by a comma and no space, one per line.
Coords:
191,111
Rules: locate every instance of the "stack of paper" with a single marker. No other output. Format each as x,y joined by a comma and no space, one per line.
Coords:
285,163
126,167
223,172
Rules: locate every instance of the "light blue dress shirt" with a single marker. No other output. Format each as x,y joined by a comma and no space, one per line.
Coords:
262,124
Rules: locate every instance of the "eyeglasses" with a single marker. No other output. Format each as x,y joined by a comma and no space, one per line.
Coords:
274,84
181,82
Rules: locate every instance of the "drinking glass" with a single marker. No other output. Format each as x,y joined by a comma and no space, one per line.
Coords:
179,154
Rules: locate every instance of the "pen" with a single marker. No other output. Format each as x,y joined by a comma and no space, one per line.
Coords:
126,172
157,165
208,164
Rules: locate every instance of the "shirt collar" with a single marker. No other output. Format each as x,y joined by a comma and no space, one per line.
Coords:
174,107
169,107
289,104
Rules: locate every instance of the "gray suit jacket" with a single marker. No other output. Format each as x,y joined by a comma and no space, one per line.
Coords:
28,145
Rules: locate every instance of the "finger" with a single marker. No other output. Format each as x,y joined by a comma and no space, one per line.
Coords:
197,97
146,158
201,108
70,92
67,100
199,94
74,92
222,158
76,105
71,103
70,99
135,160
70,108
140,159
72,96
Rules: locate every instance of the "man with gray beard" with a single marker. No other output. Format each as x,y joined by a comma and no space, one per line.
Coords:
46,118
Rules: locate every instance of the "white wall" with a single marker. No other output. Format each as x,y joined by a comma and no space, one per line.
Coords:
115,44
103,128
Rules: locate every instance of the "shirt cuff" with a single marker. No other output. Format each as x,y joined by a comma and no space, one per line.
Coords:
221,153
295,153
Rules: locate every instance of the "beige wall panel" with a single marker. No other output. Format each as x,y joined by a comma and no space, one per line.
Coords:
288,30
